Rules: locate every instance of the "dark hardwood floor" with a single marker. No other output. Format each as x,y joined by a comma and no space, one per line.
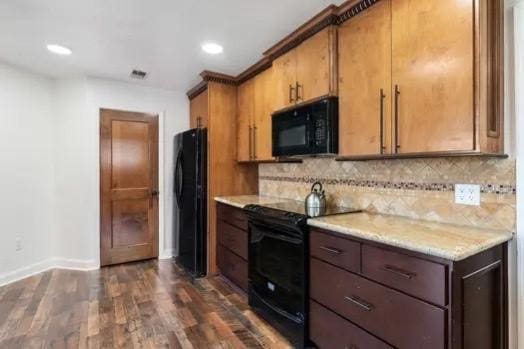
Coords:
151,304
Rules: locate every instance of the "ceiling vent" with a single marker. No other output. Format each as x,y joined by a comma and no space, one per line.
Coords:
138,74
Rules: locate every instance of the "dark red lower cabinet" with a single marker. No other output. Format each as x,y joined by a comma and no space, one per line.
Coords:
407,300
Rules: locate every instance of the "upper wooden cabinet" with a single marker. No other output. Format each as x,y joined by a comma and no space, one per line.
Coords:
264,106
421,77
414,78
365,82
255,102
285,80
198,110
308,71
433,75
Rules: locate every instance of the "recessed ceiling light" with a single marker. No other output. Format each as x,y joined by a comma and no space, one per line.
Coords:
212,48
59,50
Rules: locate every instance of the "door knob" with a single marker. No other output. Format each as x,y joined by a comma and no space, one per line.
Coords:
154,193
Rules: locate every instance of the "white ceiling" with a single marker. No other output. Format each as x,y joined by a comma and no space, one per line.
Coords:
109,38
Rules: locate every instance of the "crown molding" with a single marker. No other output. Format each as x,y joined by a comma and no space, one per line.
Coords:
325,18
331,15
197,89
352,8
211,76
255,69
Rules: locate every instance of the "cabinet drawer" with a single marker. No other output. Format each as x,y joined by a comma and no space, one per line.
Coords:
396,318
233,267
232,215
338,251
233,238
415,276
330,331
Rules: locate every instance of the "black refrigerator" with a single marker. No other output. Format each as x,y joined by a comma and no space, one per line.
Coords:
190,221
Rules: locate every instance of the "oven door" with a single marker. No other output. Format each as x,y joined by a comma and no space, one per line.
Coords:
277,269
291,133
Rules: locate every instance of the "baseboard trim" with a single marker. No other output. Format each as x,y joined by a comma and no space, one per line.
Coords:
45,265
75,264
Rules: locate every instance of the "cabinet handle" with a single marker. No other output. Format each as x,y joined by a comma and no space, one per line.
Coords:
291,89
298,86
250,149
398,271
397,94
382,96
361,303
254,142
331,249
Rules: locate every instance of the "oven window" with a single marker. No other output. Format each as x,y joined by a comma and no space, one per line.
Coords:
276,267
293,136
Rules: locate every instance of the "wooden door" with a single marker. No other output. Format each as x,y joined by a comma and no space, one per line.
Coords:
285,79
245,120
198,111
316,66
432,75
128,186
365,82
262,141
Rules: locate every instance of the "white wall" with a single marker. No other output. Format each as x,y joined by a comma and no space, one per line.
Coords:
73,169
517,70
514,124
49,175
77,215
26,170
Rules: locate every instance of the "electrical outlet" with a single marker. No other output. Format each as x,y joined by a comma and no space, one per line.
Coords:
467,194
18,243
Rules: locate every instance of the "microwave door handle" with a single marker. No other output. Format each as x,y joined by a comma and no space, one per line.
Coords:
310,133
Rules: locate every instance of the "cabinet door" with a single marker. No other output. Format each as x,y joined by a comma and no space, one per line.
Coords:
365,82
264,86
316,60
285,77
198,113
432,74
245,110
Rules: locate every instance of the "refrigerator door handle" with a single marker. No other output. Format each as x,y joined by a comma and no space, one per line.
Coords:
178,178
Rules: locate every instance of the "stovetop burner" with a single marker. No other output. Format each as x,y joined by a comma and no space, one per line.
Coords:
300,208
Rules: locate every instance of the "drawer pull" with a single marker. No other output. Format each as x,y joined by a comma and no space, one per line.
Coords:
399,272
331,249
360,303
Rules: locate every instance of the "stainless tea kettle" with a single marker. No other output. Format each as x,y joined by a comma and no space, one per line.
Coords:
317,198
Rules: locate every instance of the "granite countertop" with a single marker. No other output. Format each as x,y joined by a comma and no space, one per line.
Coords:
241,201
448,241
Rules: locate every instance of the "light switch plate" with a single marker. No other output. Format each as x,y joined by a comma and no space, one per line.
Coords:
467,194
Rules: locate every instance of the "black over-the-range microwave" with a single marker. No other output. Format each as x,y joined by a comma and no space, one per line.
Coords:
310,129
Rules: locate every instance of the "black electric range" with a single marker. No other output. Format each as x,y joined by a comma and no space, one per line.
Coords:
278,264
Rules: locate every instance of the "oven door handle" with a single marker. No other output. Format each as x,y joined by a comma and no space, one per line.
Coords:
282,237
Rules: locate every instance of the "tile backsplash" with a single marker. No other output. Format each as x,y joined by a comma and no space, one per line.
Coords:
416,188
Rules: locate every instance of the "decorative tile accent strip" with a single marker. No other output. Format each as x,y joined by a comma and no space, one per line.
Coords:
484,188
